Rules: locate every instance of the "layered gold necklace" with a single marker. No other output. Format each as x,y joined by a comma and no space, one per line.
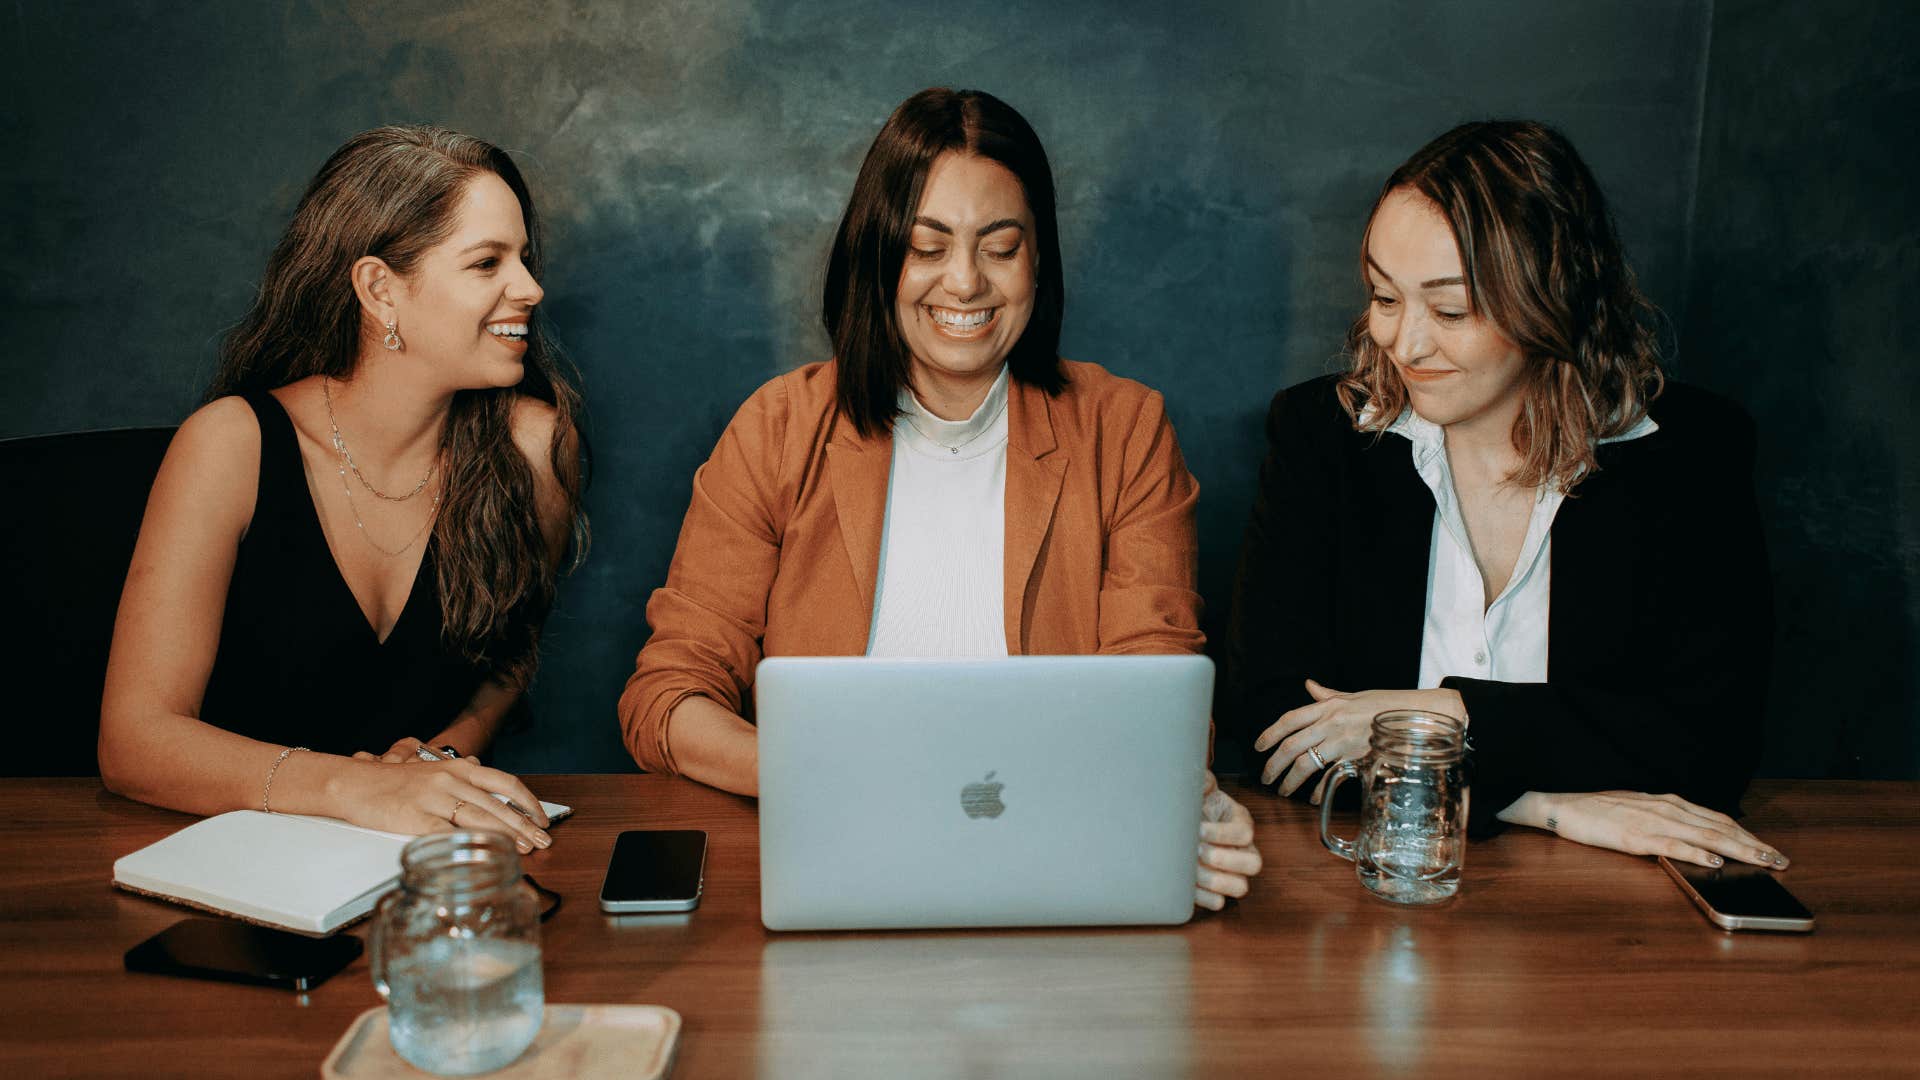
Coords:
347,465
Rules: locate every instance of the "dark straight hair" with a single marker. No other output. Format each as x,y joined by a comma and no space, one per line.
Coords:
394,192
863,272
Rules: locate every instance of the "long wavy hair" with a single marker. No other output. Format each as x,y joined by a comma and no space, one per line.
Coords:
393,193
863,270
1542,261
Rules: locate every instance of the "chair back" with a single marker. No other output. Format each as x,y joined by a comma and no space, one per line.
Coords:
73,505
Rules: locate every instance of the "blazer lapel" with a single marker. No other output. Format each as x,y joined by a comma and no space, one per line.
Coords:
1392,577
858,470
1589,623
1035,472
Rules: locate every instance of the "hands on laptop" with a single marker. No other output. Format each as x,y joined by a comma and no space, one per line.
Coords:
1228,858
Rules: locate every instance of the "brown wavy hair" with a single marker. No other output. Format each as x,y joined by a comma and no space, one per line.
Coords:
393,193
863,269
1542,261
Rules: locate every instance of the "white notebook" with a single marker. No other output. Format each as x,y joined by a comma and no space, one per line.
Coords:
311,875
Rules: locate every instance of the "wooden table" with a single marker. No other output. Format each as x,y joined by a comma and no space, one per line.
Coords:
1555,960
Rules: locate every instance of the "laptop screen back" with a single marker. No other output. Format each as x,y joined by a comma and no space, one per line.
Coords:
1025,791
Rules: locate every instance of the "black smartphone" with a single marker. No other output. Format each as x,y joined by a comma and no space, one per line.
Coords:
1738,896
655,870
241,952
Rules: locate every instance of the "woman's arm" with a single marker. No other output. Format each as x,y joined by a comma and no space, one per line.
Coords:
153,746
1643,824
1149,598
1149,604
470,733
1279,630
715,746
680,711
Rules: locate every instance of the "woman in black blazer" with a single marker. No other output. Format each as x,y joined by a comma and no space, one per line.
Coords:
1503,504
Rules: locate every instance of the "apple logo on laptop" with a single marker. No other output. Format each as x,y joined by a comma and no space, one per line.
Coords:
982,799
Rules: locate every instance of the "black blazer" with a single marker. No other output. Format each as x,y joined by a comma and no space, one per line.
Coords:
1658,637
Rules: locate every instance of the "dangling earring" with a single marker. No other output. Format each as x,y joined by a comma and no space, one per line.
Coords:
392,340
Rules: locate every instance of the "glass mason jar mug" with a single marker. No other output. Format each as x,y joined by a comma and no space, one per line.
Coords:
1413,808
456,955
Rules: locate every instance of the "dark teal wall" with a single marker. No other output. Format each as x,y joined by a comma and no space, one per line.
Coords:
1805,276
692,158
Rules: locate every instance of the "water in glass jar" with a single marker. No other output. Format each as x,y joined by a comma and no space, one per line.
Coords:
1410,852
465,1005
1410,869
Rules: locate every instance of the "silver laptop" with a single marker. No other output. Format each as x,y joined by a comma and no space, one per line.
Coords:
1026,791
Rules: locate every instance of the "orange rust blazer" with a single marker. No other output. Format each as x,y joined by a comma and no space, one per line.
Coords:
781,543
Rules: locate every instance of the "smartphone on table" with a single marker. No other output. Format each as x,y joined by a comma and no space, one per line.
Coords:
655,870
234,951
1738,896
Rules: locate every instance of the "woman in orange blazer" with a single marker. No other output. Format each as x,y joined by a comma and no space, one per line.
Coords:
947,485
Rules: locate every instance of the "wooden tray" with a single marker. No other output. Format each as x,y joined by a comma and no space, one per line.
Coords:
634,1042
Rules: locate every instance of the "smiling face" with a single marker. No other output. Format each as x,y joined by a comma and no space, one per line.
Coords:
1458,368
463,310
967,284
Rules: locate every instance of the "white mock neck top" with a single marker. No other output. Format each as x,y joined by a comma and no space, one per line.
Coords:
942,580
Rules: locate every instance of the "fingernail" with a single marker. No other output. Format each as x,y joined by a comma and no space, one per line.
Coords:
543,838
1715,860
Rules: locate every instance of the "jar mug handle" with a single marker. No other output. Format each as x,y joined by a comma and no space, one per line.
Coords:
377,945
1344,848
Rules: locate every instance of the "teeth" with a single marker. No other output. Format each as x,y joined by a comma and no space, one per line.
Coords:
506,330
961,320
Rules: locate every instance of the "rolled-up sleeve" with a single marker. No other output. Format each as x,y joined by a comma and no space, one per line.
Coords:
708,620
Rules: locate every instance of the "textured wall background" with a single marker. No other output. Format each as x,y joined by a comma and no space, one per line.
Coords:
692,158
1806,260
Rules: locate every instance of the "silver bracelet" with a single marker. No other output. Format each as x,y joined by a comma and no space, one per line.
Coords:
267,792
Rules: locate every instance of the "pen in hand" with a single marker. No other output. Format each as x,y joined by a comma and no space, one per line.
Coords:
433,753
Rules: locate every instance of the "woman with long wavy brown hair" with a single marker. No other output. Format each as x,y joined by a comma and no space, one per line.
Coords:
1503,512
350,547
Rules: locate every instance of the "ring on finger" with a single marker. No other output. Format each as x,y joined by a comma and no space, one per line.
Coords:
454,814
1318,761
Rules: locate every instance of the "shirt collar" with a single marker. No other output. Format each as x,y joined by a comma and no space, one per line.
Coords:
1644,427
1426,436
1429,439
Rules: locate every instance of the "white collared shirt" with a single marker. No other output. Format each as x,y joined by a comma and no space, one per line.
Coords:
941,583
1462,634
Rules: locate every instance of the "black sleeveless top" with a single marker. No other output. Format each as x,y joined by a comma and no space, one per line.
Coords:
298,662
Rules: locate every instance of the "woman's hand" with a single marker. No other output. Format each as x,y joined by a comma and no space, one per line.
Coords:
1227,855
1335,728
438,796
1642,824
404,751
